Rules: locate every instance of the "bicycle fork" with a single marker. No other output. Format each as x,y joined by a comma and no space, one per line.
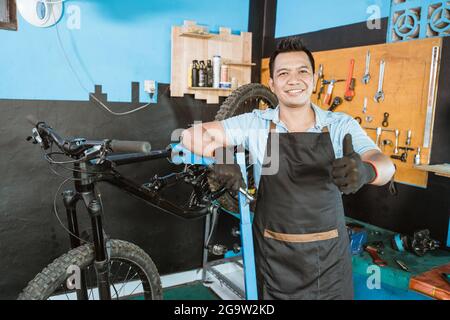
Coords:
101,263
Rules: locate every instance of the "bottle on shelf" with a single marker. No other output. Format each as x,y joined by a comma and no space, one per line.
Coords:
195,73
209,73
224,77
202,74
217,63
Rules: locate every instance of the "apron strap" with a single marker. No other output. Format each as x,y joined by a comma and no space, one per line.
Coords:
273,127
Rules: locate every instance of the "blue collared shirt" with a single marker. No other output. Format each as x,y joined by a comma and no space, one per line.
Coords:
251,130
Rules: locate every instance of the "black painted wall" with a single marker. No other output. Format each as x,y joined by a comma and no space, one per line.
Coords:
31,237
413,208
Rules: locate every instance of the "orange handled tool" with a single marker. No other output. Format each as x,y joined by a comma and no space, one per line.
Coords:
327,99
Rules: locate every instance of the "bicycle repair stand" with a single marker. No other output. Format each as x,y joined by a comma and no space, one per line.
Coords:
246,234
246,249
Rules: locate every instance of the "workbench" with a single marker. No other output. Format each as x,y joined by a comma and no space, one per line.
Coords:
395,282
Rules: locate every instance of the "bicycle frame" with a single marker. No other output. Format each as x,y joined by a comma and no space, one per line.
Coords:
87,174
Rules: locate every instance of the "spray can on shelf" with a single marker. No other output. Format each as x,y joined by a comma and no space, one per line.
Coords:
195,73
217,63
202,74
224,73
209,74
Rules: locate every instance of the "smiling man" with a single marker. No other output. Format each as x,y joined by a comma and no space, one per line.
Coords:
301,244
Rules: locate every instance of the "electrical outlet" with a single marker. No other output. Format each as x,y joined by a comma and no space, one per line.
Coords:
150,86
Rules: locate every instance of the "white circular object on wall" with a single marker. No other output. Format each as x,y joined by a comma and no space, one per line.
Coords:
41,13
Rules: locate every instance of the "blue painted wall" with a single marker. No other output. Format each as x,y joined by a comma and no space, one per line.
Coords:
118,42
302,16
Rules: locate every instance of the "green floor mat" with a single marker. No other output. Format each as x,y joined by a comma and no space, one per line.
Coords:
190,291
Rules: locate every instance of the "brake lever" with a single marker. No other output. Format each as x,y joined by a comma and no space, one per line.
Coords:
31,138
37,139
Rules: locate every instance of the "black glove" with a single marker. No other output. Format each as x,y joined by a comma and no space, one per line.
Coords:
228,175
350,173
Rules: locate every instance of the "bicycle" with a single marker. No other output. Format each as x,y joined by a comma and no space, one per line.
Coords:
98,265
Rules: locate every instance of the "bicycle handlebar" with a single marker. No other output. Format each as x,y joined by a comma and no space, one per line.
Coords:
75,146
130,146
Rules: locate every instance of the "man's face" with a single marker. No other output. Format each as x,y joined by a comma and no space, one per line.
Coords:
293,79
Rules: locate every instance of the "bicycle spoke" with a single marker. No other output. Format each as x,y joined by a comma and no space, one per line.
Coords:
116,293
65,291
136,274
118,272
125,281
92,285
129,281
136,288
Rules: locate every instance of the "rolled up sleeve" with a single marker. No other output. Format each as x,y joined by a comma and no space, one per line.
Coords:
361,141
237,129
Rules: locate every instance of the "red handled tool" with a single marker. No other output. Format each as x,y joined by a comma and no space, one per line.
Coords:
375,257
350,85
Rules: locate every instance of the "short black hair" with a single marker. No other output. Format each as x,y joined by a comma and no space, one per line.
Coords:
290,44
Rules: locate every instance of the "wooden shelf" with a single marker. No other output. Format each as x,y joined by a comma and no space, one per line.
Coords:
438,169
239,64
190,42
196,35
209,88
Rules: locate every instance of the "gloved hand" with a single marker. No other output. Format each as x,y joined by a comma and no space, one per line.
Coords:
228,175
350,173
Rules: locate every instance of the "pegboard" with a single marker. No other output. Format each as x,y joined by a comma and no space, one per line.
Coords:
406,86
418,19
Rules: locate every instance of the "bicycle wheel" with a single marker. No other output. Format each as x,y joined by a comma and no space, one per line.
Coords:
242,100
132,275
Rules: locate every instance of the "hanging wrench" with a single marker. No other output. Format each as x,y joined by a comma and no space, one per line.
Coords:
397,134
379,96
366,77
379,132
364,110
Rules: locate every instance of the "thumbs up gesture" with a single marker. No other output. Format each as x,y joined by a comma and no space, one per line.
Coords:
350,172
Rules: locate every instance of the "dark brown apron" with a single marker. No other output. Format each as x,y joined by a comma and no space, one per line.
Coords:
301,243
